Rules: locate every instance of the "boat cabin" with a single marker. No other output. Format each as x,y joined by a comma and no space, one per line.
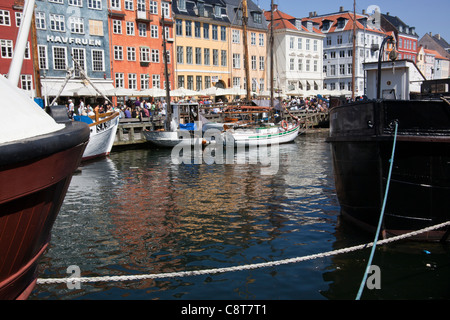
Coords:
400,79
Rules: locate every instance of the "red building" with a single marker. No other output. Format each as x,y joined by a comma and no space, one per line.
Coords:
136,43
406,36
10,16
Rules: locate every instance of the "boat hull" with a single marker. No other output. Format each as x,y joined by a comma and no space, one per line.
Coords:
34,177
361,137
169,139
262,136
103,133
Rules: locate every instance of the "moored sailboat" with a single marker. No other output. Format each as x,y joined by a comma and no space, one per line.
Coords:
255,129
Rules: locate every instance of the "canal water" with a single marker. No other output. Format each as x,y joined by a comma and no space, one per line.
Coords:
138,213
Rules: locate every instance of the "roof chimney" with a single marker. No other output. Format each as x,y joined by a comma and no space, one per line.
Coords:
310,14
275,7
438,36
341,9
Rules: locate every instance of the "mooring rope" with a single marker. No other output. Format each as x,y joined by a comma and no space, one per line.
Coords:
380,221
235,268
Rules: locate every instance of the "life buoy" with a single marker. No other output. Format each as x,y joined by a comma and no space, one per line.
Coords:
284,125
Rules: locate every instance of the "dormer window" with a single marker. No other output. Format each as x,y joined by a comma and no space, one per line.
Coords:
182,4
326,25
341,23
257,17
217,11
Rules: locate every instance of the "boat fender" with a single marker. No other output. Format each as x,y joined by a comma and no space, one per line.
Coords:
284,125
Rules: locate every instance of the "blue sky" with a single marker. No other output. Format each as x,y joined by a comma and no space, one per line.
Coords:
427,16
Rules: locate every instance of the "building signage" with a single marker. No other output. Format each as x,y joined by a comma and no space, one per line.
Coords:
70,40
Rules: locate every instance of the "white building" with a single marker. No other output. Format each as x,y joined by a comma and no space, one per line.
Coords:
298,52
338,48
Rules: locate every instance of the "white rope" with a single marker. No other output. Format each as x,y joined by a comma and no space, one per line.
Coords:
236,268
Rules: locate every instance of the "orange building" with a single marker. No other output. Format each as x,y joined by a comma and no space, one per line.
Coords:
136,43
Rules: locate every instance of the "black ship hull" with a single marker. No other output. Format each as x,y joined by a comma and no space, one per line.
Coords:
361,138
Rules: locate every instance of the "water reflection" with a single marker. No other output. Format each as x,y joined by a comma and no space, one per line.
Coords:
137,212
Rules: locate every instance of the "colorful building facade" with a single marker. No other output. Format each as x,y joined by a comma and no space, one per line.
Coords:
136,43
73,37
10,17
201,44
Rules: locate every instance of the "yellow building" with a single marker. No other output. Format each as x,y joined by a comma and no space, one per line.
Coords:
257,44
201,44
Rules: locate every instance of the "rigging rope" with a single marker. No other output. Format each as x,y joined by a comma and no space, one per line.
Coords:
369,263
235,268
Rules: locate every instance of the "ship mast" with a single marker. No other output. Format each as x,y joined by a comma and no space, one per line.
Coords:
166,75
246,66
271,56
354,50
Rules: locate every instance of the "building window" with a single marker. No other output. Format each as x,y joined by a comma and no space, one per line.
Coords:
132,81
40,20
207,82
115,4
144,54
128,5
130,28
189,57
206,56
142,29
179,27
5,19
131,54
76,25
236,61
59,58
197,30
198,56
205,31
78,54
144,81
180,81
223,33
198,82
188,28
180,54
120,80
190,82
95,4
253,62
7,48
98,60
154,31
117,26
42,57
155,55
236,36
215,57
57,23
165,9
223,58
153,7
26,82
118,53
215,32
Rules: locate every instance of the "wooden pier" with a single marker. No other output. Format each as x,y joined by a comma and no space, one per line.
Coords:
130,130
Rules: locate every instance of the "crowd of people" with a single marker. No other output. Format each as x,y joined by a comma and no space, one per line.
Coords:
315,104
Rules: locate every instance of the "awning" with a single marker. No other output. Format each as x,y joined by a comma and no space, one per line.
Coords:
75,87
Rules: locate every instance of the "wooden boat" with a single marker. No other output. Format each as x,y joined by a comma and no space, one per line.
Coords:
254,130
103,128
361,138
185,127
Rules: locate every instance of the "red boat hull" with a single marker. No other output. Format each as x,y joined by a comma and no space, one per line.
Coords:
31,194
